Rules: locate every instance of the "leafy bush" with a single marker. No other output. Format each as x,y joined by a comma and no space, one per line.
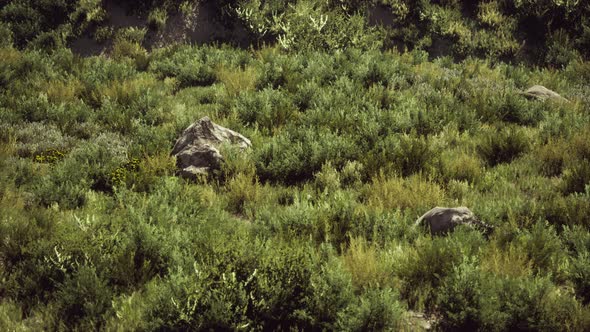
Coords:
237,81
376,310
82,298
580,273
577,241
423,267
5,36
403,154
576,178
328,179
29,21
10,316
493,303
459,298
332,291
157,19
104,33
35,139
517,110
561,50
458,165
269,109
552,159
544,249
498,146
124,48
187,66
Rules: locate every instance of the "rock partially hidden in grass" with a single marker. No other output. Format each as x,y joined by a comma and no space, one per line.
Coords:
418,321
441,220
542,93
197,151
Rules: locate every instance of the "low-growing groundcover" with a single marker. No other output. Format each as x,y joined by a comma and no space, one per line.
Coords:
311,228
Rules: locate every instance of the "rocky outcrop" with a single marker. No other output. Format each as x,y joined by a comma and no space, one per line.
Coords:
442,220
197,149
542,93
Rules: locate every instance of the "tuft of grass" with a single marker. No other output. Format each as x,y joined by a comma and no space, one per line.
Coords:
366,264
242,191
131,49
414,193
237,81
507,262
461,166
63,92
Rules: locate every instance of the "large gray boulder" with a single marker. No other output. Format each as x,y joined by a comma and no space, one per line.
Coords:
542,93
442,220
197,149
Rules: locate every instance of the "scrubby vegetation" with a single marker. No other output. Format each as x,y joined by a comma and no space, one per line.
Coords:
357,129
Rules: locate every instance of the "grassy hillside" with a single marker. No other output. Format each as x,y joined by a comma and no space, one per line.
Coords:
356,132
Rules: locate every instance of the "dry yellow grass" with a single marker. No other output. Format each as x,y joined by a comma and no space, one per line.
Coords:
366,264
413,192
237,80
512,262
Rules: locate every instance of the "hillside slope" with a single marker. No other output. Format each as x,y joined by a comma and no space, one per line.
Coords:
312,228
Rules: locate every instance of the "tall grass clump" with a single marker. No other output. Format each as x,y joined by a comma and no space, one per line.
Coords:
414,193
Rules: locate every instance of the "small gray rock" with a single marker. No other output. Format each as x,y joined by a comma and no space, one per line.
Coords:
196,150
442,220
542,93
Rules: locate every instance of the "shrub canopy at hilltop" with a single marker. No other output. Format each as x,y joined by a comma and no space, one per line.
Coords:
538,32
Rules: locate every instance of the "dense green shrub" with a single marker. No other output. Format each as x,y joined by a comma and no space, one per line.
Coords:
82,298
517,110
576,178
424,267
414,193
580,273
268,109
459,165
376,310
493,303
313,227
502,145
190,66
544,249
577,240
401,154
29,21
568,210
34,139
459,298
332,289
551,158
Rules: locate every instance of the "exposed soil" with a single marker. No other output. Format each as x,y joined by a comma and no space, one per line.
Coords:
381,15
200,27
418,321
